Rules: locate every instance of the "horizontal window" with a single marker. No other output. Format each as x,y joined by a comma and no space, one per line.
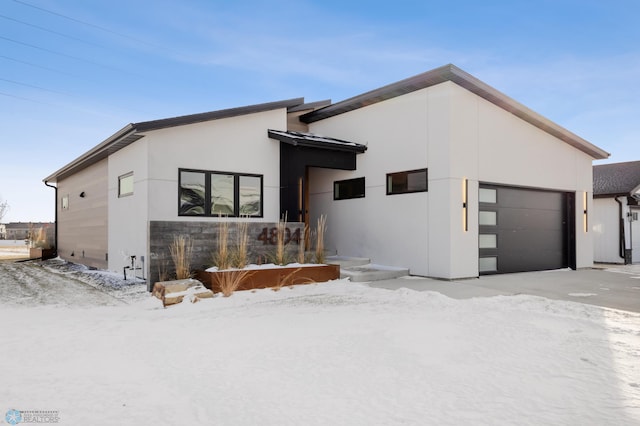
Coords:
125,185
488,264
209,193
488,218
347,189
407,182
487,241
487,195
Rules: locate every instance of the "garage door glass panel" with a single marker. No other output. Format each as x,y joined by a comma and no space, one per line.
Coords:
488,241
487,195
488,264
487,218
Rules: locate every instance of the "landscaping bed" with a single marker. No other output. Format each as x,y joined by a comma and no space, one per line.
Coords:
267,276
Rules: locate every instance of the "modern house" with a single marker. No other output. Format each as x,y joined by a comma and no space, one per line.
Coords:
439,173
616,210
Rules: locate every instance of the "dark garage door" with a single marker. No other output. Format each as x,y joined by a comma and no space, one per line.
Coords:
524,229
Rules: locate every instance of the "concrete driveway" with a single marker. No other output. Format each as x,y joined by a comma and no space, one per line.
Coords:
611,286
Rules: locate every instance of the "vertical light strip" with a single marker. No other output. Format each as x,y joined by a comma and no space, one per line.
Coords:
465,204
300,200
585,212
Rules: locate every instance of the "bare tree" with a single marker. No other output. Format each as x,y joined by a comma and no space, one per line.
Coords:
4,208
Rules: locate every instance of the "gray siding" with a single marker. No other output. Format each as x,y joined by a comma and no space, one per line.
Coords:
82,228
204,236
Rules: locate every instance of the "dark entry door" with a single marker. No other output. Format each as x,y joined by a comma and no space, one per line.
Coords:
523,229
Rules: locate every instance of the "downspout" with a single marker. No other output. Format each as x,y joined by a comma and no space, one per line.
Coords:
55,223
621,243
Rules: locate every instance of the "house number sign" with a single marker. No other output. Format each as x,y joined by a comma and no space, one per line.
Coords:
270,236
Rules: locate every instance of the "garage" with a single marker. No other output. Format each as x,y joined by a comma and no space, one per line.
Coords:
522,229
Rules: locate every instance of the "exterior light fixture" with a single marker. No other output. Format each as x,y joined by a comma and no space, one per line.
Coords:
585,212
465,204
82,194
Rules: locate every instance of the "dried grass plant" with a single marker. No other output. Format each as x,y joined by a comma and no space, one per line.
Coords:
242,244
302,246
288,280
229,281
38,237
163,273
281,250
181,250
320,231
222,257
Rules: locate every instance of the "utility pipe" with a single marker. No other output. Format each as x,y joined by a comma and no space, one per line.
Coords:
55,223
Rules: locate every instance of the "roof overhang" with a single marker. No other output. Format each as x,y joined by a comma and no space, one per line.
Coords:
456,75
311,140
134,131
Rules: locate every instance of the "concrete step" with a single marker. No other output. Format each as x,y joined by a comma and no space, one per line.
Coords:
347,262
359,269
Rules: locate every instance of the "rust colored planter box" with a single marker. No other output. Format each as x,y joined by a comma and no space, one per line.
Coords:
272,277
36,253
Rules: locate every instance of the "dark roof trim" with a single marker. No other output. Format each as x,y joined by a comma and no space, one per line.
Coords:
456,75
215,115
133,131
315,141
310,105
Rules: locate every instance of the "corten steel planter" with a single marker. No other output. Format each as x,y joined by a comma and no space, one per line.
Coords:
272,277
40,253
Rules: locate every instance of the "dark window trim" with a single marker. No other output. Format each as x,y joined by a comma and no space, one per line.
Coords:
207,192
346,182
124,176
406,172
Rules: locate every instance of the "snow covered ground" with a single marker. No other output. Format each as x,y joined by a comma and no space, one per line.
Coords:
336,353
13,249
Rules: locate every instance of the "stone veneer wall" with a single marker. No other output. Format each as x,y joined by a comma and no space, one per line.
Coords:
204,235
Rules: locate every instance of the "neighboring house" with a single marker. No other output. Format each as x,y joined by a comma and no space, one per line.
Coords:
22,230
616,210
3,231
439,173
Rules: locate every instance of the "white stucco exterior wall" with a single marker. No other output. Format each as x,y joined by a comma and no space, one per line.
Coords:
388,229
128,215
458,136
238,144
606,229
510,151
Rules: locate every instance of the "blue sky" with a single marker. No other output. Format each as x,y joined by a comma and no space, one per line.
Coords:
72,73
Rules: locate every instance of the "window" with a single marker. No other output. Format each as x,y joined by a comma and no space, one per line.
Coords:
487,195
347,189
125,185
208,193
487,241
65,202
407,182
250,195
488,264
488,218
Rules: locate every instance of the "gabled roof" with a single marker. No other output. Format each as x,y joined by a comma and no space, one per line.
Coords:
134,131
456,75
315,141
616,179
